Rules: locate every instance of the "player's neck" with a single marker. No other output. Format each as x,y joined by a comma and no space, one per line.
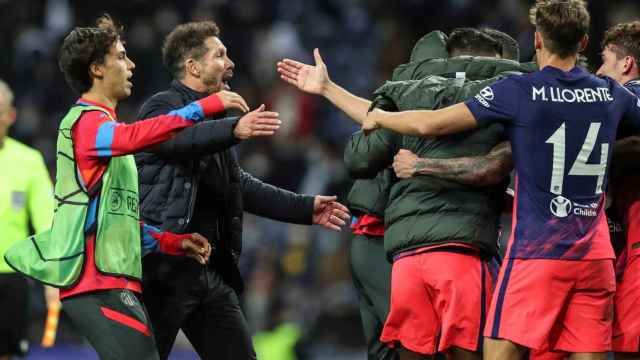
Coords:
546,58
100,97
194,84
626,78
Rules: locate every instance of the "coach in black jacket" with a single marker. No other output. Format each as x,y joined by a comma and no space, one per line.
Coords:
193,183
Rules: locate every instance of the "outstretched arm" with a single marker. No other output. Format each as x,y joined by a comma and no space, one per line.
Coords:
485,170
97,135
450,120
315,80
275,203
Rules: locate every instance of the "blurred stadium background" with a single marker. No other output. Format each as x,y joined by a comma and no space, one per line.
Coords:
296,276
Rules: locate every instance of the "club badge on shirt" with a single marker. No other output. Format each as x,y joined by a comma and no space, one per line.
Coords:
18,200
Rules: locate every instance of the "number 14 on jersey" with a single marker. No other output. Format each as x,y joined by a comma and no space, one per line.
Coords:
580,166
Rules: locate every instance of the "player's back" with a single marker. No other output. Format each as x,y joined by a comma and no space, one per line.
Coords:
562,126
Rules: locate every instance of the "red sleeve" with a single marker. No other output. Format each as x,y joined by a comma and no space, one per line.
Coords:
103,137
107,138
155,240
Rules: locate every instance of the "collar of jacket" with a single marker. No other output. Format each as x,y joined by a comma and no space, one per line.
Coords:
186,92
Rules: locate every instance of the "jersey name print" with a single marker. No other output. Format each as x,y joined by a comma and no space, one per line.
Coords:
586,95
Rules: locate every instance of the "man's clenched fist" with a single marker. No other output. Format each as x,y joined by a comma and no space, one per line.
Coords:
404,164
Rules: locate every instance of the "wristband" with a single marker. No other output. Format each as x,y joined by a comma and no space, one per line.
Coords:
171,243
211,105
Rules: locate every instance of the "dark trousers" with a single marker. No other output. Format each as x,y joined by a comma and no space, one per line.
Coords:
115,322
372,278
14,302
182,294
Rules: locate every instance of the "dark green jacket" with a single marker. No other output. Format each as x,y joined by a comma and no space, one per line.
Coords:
426,210
475,67
370,196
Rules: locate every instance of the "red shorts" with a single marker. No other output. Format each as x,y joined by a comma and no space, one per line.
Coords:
547,355
626,324
560,305
438,300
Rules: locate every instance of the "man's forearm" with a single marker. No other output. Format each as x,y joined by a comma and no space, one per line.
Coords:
355,107
275,203
486,170
449,120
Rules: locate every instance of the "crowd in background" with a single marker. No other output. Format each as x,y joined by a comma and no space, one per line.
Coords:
295,275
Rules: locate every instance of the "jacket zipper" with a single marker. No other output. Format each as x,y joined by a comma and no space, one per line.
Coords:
194,191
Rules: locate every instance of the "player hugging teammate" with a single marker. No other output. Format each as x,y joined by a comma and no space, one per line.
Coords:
556,290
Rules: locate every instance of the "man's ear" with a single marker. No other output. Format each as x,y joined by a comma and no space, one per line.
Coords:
11,117
96,70
537,40
629,65
192,67
583,43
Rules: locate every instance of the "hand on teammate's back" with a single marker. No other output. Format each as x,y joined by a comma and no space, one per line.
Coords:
311,79
404,164
369,125
257,123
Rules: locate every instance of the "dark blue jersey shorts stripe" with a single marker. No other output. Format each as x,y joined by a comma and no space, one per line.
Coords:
499,302
483,304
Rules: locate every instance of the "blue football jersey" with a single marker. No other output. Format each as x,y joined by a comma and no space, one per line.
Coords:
562,127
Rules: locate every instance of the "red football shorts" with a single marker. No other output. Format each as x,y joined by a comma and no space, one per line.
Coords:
559,305
438,300
626,324
547,355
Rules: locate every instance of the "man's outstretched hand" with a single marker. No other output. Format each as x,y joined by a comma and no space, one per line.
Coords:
257,123
329,213
311,79
196,247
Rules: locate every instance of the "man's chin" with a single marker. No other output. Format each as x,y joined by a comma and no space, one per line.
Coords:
125,94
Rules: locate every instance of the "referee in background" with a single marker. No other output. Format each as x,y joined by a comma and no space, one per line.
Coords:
26,205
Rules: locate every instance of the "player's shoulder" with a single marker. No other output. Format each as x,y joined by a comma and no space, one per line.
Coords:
25,151
94,116
532,78
633,86
629,90
160,103
603,81
511,83
169,97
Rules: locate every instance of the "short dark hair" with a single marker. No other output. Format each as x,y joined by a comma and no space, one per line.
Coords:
562,24
624,40
186,41
469,41
510,46
85,46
